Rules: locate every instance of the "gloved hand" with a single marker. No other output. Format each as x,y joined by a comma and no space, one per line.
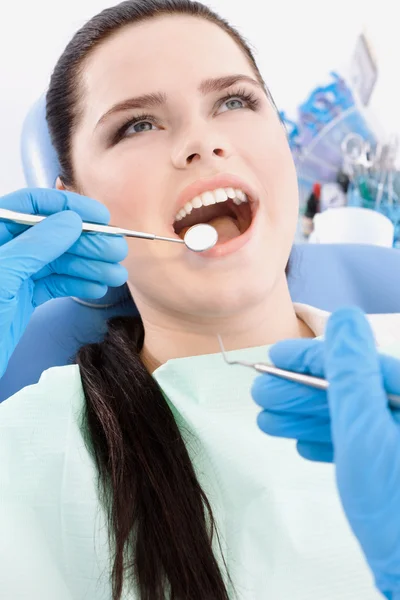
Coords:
350,424
52,258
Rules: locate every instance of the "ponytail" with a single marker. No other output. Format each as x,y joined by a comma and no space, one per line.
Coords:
160,523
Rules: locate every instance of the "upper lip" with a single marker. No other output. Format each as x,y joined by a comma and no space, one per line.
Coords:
223,180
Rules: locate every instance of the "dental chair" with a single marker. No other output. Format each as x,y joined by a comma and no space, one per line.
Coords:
324,275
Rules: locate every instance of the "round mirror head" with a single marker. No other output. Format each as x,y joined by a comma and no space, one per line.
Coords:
201,237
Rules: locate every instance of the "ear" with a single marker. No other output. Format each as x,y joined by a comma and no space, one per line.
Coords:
59,185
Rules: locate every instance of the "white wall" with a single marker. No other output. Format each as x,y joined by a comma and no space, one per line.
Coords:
297,44
383,29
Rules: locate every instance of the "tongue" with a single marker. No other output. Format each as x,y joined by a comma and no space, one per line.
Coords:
227,228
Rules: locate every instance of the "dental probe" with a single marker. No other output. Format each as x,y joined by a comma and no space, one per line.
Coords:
311,381
198,238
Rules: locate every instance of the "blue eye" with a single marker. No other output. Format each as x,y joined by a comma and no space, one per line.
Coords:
234,103
238,100
139,124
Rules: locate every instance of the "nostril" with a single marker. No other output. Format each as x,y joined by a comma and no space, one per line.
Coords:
191,158
218,152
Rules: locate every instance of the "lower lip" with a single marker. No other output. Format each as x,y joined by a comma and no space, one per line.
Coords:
237,243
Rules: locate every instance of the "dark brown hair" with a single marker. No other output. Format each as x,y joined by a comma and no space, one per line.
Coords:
161,525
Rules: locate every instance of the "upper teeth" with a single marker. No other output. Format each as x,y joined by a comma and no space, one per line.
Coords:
207,198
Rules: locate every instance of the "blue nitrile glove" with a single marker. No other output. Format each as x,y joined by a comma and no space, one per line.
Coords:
351,424
52,258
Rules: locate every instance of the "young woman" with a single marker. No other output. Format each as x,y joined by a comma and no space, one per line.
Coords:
139,472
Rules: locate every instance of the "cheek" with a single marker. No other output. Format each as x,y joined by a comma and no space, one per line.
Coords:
268,154
124,181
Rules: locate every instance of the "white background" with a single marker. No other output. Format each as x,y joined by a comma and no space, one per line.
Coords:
297,44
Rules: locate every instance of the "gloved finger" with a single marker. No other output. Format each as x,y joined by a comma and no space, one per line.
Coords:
356,394
39,245
390,369
272,393
110,274
57,286
277,394
46,201
100,246
395,414
315,451
304,428
302,355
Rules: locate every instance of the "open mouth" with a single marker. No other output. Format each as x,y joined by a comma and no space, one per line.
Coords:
229,211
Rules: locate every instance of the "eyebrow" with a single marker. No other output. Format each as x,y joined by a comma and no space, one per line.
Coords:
157,99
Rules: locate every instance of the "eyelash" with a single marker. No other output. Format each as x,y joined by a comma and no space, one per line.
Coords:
248,98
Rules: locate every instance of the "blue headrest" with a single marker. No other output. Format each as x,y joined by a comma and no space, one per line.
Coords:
41,169
39,160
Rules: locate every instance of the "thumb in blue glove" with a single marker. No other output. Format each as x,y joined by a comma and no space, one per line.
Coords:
351,424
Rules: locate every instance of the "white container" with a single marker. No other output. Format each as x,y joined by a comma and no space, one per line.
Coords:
352,225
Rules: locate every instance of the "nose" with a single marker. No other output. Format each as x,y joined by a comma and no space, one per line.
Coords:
199,148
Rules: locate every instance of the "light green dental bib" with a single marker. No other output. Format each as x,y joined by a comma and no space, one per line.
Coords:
283,532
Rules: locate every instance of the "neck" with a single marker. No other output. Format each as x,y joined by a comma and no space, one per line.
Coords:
168,337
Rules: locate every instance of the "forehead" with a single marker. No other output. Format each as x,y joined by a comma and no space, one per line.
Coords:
168,53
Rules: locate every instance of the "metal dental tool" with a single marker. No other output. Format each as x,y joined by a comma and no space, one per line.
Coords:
198,238
315,382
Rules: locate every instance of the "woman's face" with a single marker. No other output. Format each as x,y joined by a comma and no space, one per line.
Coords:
195,120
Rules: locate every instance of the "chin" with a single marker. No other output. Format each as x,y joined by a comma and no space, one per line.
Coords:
230,294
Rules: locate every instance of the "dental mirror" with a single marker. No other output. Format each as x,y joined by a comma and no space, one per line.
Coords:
201,237
198,238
